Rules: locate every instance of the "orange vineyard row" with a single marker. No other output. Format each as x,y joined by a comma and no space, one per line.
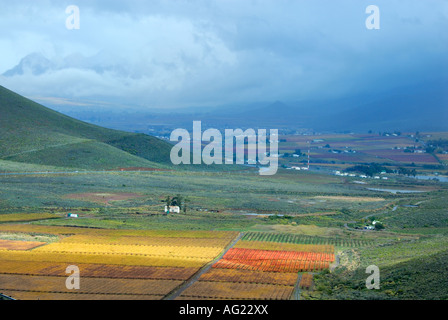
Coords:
307,281
32,295
19,245
228,290
247,276
87,285
272,265
96,270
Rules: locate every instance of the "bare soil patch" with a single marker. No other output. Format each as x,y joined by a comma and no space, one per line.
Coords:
103,197
19,245
350,199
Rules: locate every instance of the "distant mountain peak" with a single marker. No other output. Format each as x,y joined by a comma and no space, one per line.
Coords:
37,64
34,63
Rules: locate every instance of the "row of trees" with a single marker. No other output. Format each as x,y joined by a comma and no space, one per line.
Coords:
374,168
369,170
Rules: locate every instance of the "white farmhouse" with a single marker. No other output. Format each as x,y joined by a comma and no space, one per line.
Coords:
172,209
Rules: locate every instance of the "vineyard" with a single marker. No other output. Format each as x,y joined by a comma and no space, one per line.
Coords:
117,233
113,264
306,281
284,246
88,285
146,241
19,245
137,250
274,261
260,255
98,258
17,217
304,239
230,290
150,264
261,270
97,270
245,276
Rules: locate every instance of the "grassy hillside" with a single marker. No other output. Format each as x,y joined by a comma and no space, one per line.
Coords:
32,133
408,270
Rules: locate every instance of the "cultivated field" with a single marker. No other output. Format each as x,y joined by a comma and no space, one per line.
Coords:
294,223
261,271
113,264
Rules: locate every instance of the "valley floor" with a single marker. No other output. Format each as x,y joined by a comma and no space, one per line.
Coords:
299,232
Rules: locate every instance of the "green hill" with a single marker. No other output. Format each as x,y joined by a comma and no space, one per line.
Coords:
32,133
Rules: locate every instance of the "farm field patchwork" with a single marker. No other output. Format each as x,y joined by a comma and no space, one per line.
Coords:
18,217
306,281
97,270
247,276
96,232
305,239
261,271
231,290
32,295
148,268
341,149
289,221
275,261
88,285
262,245
19,245
103,197
146,241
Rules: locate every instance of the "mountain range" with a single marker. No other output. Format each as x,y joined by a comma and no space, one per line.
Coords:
421,107
32,133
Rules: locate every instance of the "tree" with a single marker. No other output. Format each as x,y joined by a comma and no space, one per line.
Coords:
177,201
168,201
430,149
379,226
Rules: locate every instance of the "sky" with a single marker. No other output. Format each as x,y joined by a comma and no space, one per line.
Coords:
178,53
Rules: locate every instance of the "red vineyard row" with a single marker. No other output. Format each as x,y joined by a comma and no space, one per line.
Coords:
254,254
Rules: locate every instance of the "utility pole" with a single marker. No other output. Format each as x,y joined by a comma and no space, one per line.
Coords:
308,155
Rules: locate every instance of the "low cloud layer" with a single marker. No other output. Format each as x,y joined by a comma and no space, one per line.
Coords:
191,53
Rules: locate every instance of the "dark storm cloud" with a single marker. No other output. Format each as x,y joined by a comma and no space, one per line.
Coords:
180,53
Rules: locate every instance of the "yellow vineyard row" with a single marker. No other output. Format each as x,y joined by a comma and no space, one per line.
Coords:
97,258
15,217
171,251
263,245
228,290
146,241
